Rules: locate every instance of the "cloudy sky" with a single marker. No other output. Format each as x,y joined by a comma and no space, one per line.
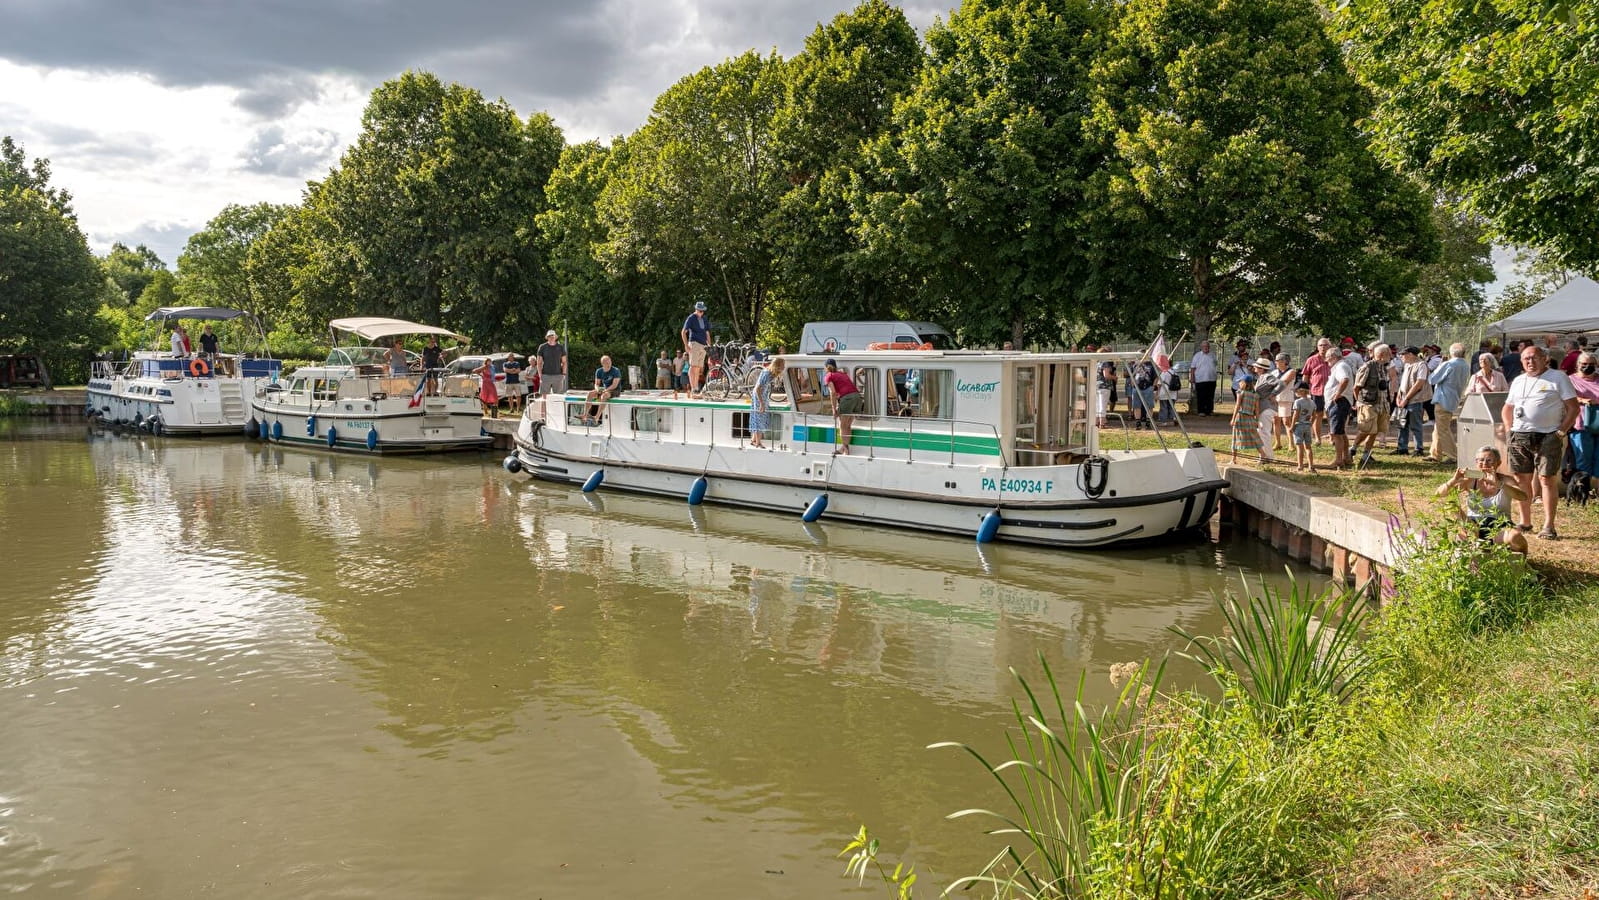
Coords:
157,113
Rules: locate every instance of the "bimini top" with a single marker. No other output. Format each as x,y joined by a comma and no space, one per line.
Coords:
373,329
210,313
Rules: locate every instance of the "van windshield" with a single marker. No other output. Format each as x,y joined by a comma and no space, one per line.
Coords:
939,341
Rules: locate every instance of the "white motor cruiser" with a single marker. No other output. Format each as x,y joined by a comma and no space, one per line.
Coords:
357,402
167,392
997,445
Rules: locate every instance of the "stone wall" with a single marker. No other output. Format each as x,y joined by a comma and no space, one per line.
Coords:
1343,537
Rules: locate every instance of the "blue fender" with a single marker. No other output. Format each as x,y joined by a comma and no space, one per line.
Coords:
511,464
990,526
333,435
251,428
372,439
156,425
594,481
310,426
815,509
277,431
696,493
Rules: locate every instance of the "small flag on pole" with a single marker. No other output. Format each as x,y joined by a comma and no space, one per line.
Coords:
416,396
1157,352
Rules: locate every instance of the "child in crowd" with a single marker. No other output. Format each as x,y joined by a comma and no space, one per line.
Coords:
1246,419
1303,411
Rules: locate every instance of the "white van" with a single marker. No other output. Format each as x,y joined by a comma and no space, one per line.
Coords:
831,337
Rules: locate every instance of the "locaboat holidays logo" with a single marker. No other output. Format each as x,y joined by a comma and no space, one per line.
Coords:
975,387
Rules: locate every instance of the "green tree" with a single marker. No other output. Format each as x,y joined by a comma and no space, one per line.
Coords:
840,96
131,270
1451,290
1492,102
214,268
430,214
1238,189
17,172
50,283
691,205
977,187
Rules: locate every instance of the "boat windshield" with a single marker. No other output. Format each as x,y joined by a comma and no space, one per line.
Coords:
358,356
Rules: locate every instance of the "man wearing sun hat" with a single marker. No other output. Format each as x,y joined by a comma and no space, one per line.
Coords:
552,365
696,337
1268,382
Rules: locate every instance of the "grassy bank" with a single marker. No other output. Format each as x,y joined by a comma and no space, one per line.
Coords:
1445,747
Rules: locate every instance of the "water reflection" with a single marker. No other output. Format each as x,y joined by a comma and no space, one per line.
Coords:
419,677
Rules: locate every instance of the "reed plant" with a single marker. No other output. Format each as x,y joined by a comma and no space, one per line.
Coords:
11,405
1287,654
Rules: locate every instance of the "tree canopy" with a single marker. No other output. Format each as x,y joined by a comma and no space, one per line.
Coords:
50,284
1492,102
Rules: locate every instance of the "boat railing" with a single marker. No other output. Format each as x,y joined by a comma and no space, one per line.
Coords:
783,422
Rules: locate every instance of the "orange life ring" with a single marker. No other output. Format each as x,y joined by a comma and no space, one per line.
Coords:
199,368
898,345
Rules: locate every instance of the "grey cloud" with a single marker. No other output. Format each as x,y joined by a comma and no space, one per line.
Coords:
167,239
274,152
271,96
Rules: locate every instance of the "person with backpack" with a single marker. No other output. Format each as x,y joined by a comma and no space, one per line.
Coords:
1371,403
1141,393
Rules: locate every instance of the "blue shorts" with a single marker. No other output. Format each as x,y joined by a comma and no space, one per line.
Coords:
1301,435
1338,416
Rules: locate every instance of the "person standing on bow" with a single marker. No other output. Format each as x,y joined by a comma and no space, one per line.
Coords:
696,336
761,400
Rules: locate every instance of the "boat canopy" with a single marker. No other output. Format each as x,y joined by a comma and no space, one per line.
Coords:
208,313
375,329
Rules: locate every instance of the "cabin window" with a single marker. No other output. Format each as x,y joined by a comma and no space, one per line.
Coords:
741,426
922,393
1027,404
325,388
652,419
297,386
807,390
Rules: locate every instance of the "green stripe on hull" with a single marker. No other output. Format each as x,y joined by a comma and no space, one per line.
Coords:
975,445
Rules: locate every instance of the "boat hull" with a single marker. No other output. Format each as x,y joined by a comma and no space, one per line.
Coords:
1147,497
439,426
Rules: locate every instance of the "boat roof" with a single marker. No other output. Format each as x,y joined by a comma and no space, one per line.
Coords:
209,313
923,357
373,328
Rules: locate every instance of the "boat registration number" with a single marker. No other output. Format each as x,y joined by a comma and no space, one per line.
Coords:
1018,485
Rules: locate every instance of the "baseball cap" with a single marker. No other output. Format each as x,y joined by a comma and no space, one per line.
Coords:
699,304
831,362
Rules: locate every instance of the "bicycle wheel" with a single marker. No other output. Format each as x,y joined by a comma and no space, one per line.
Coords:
716,388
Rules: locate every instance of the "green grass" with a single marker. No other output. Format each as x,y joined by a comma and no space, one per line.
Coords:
1494,789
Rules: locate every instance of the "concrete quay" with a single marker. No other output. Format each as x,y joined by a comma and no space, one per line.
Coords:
1342,537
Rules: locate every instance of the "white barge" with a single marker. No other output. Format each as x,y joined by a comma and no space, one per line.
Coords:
997,445
356,401
170,393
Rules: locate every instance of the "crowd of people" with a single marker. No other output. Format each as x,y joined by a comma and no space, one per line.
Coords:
1360,399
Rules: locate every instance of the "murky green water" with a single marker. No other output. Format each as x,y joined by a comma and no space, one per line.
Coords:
229,670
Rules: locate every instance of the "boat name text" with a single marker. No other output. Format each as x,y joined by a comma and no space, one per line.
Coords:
975,387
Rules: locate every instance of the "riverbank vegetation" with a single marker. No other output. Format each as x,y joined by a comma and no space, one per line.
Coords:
1448,752
1041,172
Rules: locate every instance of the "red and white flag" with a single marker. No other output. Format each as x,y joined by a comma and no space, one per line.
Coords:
1158,354
416,396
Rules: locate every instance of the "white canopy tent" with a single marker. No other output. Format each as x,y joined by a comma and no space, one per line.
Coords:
1573,308
376,329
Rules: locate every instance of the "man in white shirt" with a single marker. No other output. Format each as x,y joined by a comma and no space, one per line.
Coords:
1538,414
1204,376
1339,397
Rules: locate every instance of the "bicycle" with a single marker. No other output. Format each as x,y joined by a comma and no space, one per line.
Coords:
731,370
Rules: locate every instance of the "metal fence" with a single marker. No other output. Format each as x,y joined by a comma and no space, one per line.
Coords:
1299,346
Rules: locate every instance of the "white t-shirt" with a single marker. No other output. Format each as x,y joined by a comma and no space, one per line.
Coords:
1539,401
1340,382
1204,366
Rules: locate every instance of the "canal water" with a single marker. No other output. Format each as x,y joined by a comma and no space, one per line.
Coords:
233,670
